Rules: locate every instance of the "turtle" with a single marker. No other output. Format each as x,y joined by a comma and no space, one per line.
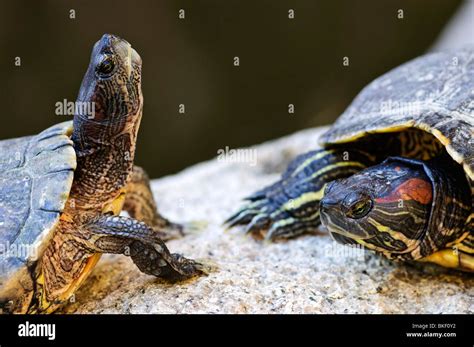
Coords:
394,174
62,190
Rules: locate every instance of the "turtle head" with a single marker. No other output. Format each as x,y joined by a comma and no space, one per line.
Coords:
385,207
110,92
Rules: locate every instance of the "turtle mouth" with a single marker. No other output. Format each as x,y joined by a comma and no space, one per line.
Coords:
335,222
334,228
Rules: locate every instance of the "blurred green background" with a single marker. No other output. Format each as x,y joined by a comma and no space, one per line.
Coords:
190,62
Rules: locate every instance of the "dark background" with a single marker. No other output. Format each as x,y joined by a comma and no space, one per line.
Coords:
190,62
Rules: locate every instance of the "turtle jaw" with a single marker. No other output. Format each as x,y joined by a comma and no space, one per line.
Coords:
335,222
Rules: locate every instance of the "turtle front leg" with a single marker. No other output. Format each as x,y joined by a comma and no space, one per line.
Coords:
122,235
78,244
140,204
290,207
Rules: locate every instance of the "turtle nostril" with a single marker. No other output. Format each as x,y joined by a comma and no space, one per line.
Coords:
327,208
326,205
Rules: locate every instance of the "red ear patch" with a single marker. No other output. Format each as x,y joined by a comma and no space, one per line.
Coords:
413,189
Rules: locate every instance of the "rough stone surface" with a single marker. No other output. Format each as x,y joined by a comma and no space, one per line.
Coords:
311,274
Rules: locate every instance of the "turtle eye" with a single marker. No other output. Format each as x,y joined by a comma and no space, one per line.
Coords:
359,209
106,67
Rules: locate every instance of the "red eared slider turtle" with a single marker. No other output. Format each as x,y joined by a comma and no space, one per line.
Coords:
61,192
396,171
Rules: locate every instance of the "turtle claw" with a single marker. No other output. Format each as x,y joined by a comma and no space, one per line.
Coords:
256,196
275,232
205,266
256,215
180,268
268,212
245,214
241,217
265,217
253,214
258,223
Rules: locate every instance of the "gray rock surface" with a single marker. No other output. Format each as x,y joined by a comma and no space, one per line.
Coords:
311,274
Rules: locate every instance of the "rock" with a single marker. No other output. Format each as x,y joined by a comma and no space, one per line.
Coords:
310,274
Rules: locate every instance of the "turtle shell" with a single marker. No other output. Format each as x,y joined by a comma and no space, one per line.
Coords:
36,174
434,93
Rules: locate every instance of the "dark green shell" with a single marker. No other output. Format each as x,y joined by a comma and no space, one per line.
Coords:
434,93
36,174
